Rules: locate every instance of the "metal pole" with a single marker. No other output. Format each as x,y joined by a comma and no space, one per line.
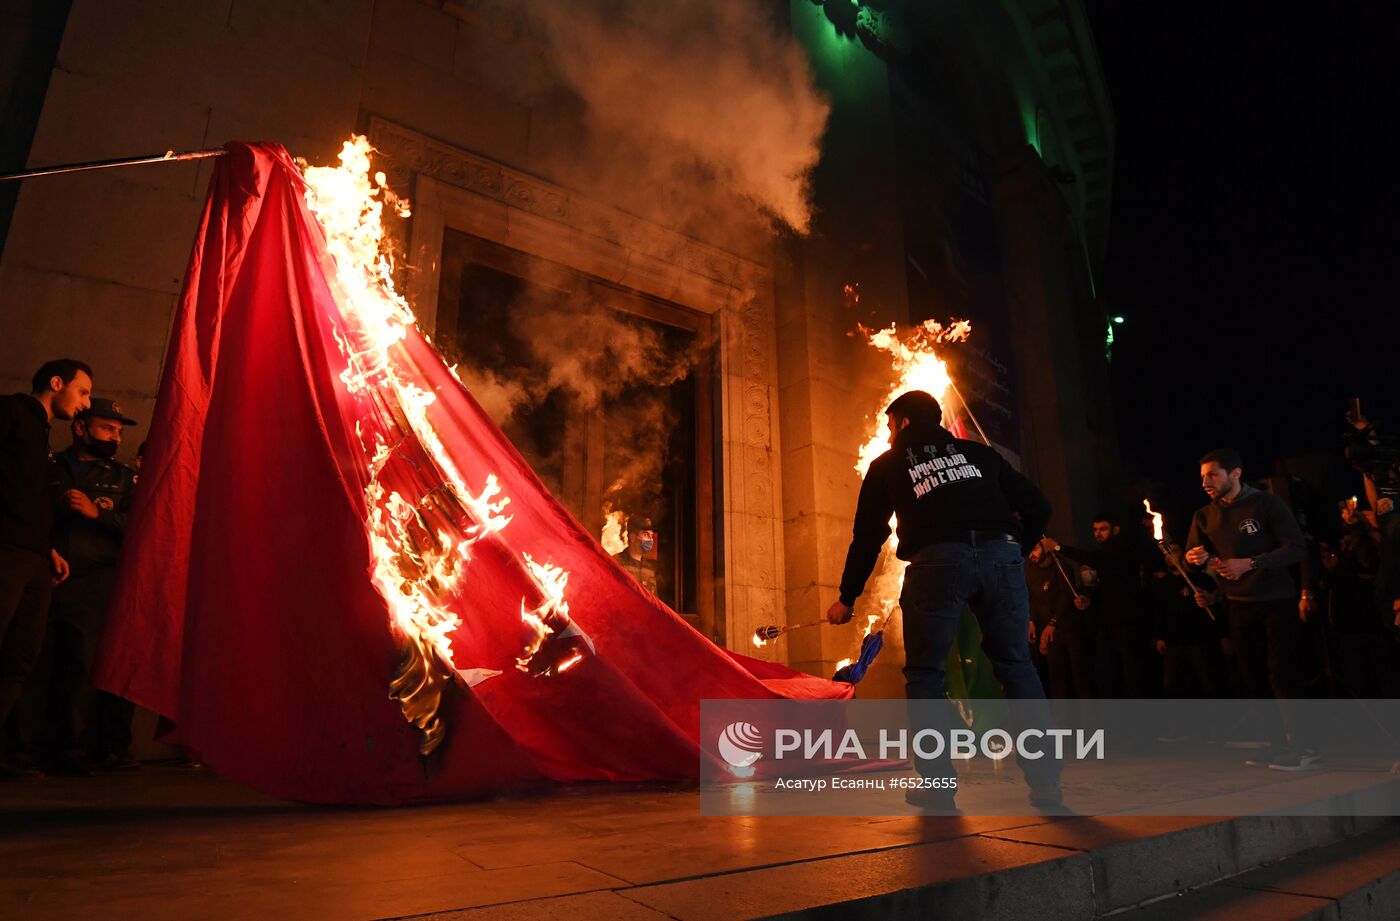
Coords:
1068,581
1171,558
961,399
169,156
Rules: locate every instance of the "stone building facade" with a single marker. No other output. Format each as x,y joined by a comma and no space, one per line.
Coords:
966,162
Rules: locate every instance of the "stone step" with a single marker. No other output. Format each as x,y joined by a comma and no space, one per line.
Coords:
1356,880
1075,869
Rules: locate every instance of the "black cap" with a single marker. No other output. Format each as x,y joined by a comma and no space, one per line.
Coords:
639,523
102,408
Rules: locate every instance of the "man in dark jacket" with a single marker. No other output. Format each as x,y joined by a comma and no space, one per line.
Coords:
965,520
29,567
1248,538
1184,635
93,494
1058,615
1120,637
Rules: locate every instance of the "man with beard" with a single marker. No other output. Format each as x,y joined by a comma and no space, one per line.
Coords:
1121,641
29,567
1248,538
94,493
966,518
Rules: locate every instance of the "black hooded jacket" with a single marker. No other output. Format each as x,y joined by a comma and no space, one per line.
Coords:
939,488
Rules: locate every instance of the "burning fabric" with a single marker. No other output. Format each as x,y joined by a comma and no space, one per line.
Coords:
323,499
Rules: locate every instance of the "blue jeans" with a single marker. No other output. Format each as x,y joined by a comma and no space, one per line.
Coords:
941,581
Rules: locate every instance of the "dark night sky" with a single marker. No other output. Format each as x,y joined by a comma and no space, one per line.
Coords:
1253,243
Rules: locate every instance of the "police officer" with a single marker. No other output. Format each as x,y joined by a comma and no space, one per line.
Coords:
94,495
966,518
639,556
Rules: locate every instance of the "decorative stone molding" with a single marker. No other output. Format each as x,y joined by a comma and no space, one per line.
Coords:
454,188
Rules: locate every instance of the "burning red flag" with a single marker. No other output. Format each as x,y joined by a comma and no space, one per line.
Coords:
254,610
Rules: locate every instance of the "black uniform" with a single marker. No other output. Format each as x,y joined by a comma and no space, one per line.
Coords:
88,722
26,524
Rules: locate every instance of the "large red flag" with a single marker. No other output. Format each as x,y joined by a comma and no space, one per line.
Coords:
245,613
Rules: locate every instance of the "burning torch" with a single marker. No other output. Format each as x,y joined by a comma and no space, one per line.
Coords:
1159,536
765,635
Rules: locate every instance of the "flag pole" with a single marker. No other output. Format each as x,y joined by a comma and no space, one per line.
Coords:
170,156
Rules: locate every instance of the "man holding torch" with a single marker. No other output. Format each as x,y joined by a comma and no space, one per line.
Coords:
965,518
1248,538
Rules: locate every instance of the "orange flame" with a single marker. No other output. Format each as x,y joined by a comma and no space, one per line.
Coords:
917,365
1156,520
843,663
612,537
418,552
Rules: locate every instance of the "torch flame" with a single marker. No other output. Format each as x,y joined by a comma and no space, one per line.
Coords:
612,539
1156,520
843,663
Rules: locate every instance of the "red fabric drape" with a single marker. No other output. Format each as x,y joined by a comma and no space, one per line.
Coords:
245,613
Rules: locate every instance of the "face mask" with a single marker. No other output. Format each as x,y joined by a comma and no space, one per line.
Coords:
106,450
647,544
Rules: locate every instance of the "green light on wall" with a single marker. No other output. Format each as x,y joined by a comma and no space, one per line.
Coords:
1029,119
1115,320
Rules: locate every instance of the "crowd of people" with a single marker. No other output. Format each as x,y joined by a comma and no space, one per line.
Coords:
62,516
1254,605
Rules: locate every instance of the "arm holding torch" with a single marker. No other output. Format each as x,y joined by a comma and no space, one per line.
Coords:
1196,556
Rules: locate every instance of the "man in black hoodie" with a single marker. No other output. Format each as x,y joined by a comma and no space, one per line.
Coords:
966,518
1248,538
1120,637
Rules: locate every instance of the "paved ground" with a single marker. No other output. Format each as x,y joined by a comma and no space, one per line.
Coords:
166,842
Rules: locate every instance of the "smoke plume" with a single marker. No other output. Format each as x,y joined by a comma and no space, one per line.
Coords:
688,102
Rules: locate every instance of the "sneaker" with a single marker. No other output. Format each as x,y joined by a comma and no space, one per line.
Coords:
1304,760
935,802
1265,756
1046,797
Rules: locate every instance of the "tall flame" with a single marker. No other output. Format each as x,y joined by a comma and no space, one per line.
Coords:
917,365
1156,520
420,544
